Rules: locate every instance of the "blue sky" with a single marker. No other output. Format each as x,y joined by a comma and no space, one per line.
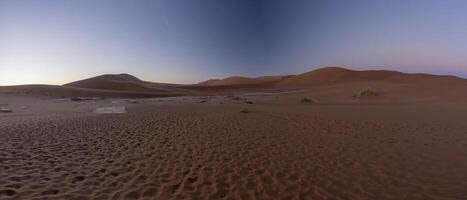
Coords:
186,41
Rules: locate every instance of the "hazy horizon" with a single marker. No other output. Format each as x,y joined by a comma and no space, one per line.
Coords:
180,41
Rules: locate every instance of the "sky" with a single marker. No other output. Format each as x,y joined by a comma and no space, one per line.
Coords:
187,41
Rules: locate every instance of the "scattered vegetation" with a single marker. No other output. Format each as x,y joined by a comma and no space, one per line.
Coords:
367,92
306,100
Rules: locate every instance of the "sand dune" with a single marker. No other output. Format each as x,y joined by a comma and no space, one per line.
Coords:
338,75
123,82
124,85
333,76
256,140
392,83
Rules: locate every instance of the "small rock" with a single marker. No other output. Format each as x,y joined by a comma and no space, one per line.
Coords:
248,102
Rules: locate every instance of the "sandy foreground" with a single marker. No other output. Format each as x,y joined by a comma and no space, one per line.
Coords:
207,148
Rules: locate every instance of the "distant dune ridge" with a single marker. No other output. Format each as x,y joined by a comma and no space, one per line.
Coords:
329,75
321,76
125,85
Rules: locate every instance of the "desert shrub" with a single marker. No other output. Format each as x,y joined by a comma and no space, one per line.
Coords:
306,100
367,92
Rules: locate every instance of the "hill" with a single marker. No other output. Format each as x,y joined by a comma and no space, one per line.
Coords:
123,82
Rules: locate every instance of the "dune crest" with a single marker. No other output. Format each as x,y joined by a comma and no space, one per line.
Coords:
330,76
125,85
113,82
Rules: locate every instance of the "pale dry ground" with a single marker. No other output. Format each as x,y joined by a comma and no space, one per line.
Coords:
205,148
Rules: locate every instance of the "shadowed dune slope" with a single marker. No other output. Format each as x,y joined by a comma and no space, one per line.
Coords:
123,82
67,91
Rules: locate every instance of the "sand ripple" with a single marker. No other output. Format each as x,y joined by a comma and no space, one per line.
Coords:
219,153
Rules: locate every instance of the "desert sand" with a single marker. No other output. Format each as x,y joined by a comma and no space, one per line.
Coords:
241,140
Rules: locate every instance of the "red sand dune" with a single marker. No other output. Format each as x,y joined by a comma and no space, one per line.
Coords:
319,77
409,142
332,75
401,85
338,75
125,85
123,82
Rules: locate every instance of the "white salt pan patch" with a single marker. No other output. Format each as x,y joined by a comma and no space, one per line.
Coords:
5,110
110,110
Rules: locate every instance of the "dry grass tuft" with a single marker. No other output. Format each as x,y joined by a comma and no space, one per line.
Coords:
306,100
367,92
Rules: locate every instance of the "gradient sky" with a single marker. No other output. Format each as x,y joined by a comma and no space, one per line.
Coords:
186,41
